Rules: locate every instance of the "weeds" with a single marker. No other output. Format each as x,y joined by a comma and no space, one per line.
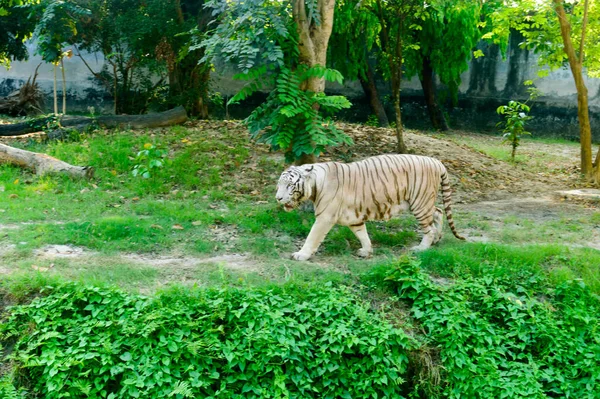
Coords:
94,342
501,337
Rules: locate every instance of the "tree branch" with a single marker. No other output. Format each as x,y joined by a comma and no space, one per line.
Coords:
584,25
97,75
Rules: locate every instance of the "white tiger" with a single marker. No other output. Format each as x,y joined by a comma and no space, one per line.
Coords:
376,188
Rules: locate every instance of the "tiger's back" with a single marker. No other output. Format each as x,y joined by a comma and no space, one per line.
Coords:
377,188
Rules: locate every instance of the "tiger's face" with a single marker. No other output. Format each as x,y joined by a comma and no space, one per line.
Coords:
291,188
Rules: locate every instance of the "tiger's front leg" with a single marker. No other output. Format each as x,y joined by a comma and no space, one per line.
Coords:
360,231
317,233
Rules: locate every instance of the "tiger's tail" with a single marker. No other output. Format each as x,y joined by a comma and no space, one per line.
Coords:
447,197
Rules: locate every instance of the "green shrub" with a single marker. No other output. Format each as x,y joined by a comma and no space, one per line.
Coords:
8,390
498,339
81,342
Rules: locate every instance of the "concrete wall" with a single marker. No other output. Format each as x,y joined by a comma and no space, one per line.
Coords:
82,90
490,81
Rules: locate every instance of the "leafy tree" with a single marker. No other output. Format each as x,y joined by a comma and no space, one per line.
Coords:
282,45
444,42
15,28
354,42
116,29
188,77
143,39
55,27
396,19
557,31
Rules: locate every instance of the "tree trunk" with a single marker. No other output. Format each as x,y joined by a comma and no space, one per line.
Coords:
585,131
42,163
64,87
174,116
305,159
401,146
55,95
428,84
394,58
396,87
115,88
597,168
370,88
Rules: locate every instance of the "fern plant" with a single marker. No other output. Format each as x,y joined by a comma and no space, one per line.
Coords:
294,120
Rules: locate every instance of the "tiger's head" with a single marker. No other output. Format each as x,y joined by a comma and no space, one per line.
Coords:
294,186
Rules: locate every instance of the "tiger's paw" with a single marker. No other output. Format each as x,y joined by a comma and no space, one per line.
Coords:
419,248
364,253
300,256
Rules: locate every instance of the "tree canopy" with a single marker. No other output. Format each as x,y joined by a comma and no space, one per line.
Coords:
15,28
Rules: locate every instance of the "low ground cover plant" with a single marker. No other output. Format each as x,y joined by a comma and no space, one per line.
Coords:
79,342
501,338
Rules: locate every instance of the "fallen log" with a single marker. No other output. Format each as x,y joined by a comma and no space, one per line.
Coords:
171,117
42,163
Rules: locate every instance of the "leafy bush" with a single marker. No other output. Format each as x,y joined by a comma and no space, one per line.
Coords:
499,339
148,160
8,390
292,119
513,126
92,342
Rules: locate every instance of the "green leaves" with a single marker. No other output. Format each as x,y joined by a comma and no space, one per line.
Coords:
292,119
537,21
506,339
251,33
56,27
149,160
513,126
225,343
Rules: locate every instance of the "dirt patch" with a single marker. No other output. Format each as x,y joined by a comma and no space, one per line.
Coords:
60,251
538,208
184,263
546,219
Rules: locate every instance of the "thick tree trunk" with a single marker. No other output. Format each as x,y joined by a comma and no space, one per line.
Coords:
188,85
312,46
576,65
42,164
305,159
370,88
174,116
428,84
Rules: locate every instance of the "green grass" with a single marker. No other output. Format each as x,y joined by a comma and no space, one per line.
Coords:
515,263
528,156
215,198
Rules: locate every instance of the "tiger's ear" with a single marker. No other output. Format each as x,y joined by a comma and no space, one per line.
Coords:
307,170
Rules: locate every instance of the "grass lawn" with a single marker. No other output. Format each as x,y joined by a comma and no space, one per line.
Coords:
209,218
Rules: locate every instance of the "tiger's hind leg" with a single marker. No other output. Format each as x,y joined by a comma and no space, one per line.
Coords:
426,217
438,224
360,231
